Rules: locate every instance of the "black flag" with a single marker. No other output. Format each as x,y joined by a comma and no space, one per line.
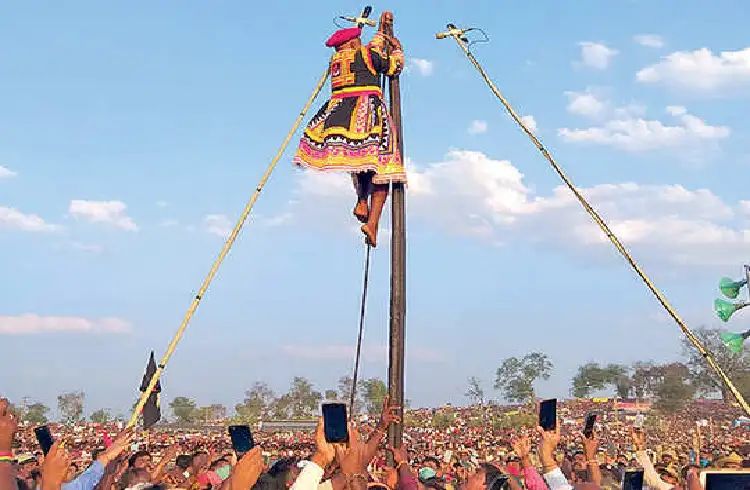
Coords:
151,410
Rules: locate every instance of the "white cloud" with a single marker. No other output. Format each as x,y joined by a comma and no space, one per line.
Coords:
676,110
477,127
470,193
529,122
11,218
37,324
6,173
649,40
423,66
217,224
585,104
638,134
596,55
701,71
106,212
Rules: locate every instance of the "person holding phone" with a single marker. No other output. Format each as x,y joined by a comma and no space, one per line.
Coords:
53,475
8,427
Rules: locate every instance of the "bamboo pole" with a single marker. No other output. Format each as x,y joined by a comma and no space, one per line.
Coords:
223,253
457,34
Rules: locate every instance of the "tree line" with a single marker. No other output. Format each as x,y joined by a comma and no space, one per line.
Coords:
669,385
300,402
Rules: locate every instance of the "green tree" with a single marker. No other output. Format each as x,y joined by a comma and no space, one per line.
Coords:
258,400
515,377
736,366
345,392
442,420
70,405
592,377
331,395
36,413
281,407
373,391
645,379
674,388
184,409
101,416
475,392
303,399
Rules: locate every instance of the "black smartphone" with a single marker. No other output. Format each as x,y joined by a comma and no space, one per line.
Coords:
728,481
548,414
334,422
242,438
588,427
633,480
44,436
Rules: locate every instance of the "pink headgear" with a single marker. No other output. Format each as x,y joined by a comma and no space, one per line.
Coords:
343,35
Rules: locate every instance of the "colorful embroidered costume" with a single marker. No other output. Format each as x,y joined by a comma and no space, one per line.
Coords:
353,132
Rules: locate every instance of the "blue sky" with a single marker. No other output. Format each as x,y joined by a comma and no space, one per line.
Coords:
132,136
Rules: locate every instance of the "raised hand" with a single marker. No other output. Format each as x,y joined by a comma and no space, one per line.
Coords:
120,443
590,446
55,467
247,471
352,460
8,425
400,455
324,450
389,414
522,447
639,439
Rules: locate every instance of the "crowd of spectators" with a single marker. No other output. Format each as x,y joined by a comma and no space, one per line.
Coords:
479,447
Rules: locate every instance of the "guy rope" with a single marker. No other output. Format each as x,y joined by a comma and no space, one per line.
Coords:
223,253
459,36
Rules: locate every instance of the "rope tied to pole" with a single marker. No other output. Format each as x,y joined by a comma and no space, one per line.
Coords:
458,36
360,335
224,252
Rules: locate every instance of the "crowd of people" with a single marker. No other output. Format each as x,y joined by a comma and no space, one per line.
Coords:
469,450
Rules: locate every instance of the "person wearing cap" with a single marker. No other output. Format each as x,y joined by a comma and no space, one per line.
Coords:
731,461
353,132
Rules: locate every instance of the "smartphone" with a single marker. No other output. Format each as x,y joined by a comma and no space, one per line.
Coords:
588,427
548,414
242,438
727,480
44,436
633,480
334,422
639,419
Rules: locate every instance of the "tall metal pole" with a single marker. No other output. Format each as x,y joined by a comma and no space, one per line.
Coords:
398,276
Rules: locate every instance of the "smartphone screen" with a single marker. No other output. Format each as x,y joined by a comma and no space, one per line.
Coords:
548,414
242,438
639,419
334,422
633,480
588,427
727,481
44,436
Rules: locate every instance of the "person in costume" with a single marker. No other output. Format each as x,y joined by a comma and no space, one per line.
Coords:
353,132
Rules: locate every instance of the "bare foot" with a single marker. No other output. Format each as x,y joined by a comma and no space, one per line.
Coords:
371,237
361,211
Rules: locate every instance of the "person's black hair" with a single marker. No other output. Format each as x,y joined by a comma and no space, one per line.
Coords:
135,456
431,459
184,461
494,479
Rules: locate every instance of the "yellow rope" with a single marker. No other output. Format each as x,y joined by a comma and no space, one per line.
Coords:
605,228
224,251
